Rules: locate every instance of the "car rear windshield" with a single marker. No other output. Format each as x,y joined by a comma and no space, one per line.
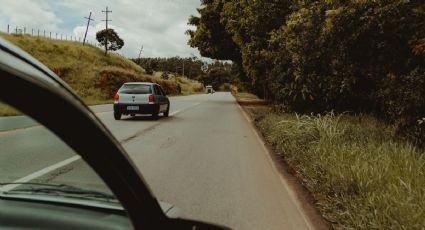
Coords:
135,89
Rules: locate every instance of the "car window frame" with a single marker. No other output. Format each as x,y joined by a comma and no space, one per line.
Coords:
156,90
162,90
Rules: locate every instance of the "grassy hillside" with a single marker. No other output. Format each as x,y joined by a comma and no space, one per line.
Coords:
92,75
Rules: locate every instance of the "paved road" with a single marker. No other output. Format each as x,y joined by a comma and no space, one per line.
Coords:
205,159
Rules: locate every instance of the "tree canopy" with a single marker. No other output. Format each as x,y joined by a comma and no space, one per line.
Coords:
323,55
114,41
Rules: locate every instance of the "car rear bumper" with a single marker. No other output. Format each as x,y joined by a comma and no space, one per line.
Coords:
143,108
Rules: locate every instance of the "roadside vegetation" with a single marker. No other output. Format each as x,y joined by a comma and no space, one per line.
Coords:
363,58
245,96
93,76
361,176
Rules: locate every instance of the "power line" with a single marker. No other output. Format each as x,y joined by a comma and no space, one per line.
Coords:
106,34
87,28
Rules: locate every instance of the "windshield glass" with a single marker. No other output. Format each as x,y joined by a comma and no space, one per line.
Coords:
35,163
135,89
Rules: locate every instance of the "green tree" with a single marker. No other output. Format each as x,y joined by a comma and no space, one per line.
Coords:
114,42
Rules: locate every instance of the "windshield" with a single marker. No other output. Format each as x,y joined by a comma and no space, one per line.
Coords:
252,114
135,89
36,164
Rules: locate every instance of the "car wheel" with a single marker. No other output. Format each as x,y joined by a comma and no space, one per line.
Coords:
117,116
166,113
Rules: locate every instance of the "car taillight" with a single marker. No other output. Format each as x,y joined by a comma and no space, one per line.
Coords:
151,98
116,97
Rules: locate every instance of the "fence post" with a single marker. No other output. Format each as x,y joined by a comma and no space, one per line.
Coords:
25,30
44,33
16,30
32,32
8,28
50,35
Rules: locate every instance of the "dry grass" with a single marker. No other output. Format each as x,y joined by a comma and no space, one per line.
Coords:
81,67
245,96
361,176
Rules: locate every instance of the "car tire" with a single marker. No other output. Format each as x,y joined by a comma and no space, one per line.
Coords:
117,116
167,113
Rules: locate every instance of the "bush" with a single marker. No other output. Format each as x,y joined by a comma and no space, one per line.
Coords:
402,99
164,76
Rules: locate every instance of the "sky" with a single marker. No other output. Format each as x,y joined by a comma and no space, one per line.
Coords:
157,25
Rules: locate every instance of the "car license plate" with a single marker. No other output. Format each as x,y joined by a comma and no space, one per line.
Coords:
132,107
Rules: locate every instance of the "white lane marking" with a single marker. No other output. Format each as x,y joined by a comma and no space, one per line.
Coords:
175,112
185,108
39,173
60,164
285,184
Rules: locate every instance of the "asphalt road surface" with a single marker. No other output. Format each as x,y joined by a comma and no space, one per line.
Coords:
205,159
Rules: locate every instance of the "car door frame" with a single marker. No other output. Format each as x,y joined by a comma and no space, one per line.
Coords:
161,98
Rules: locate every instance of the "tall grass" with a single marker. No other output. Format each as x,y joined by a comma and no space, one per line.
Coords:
360,175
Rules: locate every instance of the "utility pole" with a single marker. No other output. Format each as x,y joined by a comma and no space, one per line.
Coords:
87,28
183,67
106,34
140,54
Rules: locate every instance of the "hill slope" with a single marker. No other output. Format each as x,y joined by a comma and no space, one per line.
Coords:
93,76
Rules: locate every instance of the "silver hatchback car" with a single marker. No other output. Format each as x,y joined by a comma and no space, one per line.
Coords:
141,98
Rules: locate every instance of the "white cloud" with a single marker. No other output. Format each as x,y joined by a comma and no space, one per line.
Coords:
29,14
158,25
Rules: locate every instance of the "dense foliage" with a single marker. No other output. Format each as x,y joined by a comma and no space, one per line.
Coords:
323,55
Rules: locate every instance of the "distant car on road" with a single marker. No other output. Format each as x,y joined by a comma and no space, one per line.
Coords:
141,98
209,89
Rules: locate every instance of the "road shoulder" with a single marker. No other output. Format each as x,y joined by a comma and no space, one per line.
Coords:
289,176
